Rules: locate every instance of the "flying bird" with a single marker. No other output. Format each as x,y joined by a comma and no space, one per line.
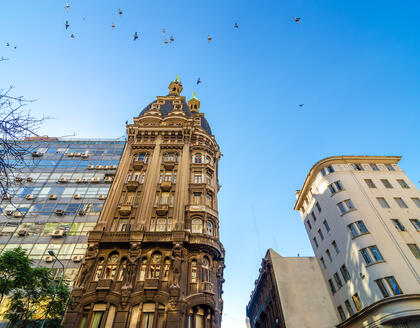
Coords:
119,12
172,39
113,25
163,31
7,44
72,36
136,36
166,41
209,39
67,25
236,26
297,19
67,6
15,47
198,81
301,105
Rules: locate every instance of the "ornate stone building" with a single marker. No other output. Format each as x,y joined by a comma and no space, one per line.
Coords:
154,259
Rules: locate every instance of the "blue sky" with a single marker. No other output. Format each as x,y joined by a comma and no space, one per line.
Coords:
353,64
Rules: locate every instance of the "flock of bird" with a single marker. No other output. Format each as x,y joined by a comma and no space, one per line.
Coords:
165,42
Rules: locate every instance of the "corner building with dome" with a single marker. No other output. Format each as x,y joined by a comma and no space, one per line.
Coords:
154,259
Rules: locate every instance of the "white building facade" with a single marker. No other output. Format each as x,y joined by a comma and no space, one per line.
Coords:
362,215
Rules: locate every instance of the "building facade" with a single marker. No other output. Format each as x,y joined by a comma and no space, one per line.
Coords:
362,215
55,199
290,292
154,259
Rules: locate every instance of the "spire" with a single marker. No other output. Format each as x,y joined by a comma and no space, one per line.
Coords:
194,104
175,87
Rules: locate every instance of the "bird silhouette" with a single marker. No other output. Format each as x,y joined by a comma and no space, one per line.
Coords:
67,6
163,31
301,105
15,47
172,39
297,19
165,42
198,81
72,36
67,25
135,36
236,25
113,25
209,39
126,122
119,12
7,44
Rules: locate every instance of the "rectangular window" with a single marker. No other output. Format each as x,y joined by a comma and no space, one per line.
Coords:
398,225
309,224
345,206
313,216
327,227
382,287
323,172
403,184
338,280
323,262
321,235
338,185
334,244
349,308
416,201
374,167
318,207
357,302
332,189
415,223
353,230
335,187
358,167
345,273
362,227
390,167
415,250
382,201
315,242
341,312
330,169
376,253
366,255
400,202
392,283
386,183
328,254
370,183
332,287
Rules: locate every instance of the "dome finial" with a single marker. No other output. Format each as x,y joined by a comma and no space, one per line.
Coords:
194,103
175,87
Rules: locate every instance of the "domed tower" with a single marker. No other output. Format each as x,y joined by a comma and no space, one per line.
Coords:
154,259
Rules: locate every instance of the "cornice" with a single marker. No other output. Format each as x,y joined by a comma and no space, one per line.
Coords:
345,159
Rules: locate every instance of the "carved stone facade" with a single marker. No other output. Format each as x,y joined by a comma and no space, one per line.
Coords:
154,259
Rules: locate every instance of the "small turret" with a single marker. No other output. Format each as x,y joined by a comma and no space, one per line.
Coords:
194,104
175,87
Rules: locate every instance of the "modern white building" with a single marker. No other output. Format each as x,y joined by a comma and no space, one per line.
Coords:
362,215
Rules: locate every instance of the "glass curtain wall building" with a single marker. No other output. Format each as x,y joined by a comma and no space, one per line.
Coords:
56,199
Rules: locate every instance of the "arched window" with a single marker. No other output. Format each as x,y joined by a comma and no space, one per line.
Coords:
123,266
143,269
205,266
209,228
155,262
198,158
99,269
197,226
199,317
166,266
147,315
194,271
111,266
208,159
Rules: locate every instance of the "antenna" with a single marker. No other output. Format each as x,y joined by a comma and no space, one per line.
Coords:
256,229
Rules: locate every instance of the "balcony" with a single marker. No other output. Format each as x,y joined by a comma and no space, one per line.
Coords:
125,210
169,163
151,284
207,287
138,165
162,209
166,185
104,284
202,208
132,185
